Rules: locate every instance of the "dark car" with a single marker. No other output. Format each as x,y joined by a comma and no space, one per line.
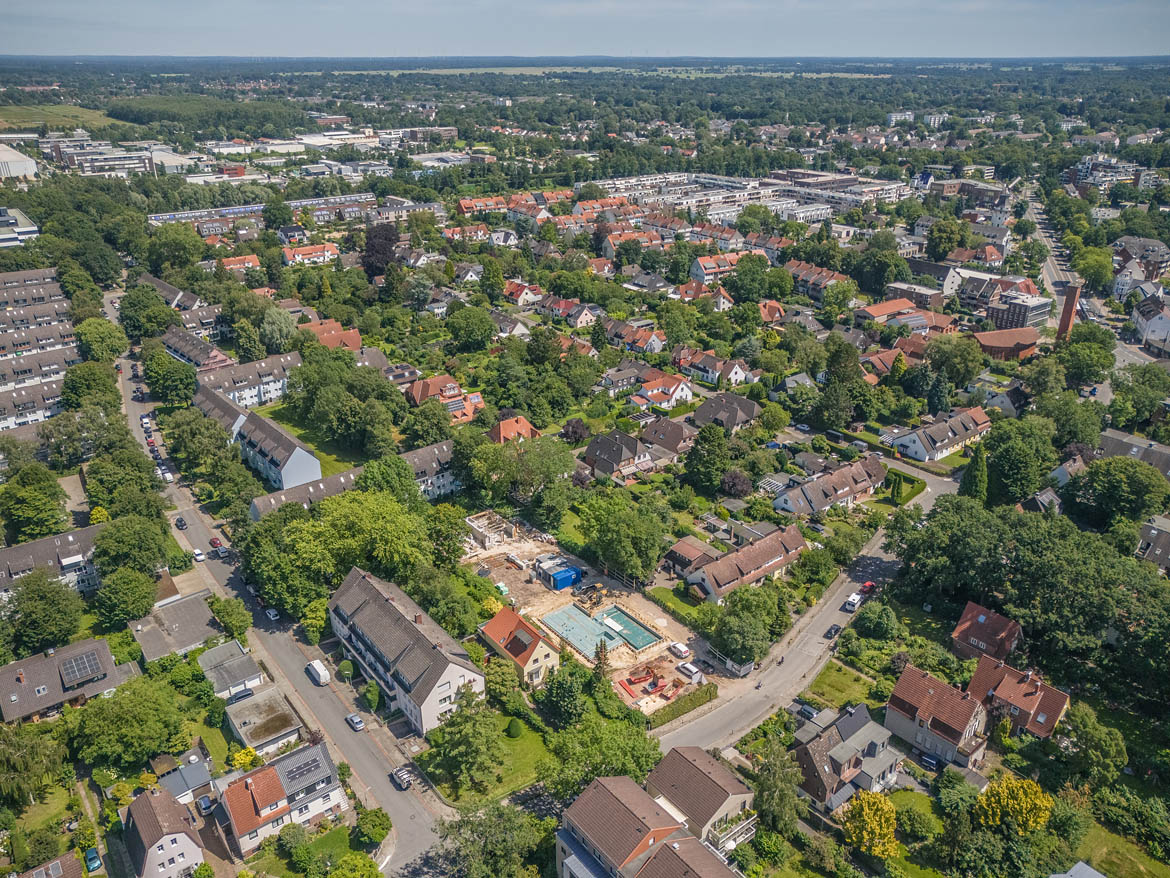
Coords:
156,454
807,711
181,523
833,631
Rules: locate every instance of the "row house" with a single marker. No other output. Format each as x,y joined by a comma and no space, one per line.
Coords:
843,486
195,351
418,666
483,204
333,335
307,494
705,366
300,787
21,342
647,240
312,254
253,384
946,436
639,337
709,269
812,280
31,316
600,204
767,557
30,405
774,246
206,323
670,228
38,368
726,238
434,469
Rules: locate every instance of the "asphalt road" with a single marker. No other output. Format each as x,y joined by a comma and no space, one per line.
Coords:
371,754
804,648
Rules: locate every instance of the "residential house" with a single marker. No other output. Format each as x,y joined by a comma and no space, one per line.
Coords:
603,267
981,631
266,721
1021,696
298,787
705,366
708,269
1154,542
161,837
417,664
433,467
289,235
849,754
676,437
584,315
313,254
1114,443
307,494
36,339
515,429
333,335
1080,870
461,406
522,295
729,410
921,296
766,557
639,336
812,280
662,390
938,718
513,638
508,326
1011,399
688,555
30,405
230,669
717,805
38,686
68,865
468,272
175,626
771,312
1151,320
188,348
556,307
175,298
67,557
401,374
880,312
617,455
842,486
945,436
646,239
37,368
615,828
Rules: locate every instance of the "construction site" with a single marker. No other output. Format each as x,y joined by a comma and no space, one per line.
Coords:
578,607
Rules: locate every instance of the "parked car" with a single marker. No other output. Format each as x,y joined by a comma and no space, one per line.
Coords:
198,555
807,711
355,722
93,860
150,442
403,778
240,696
853,602
181,523
272,614
833,631
222,553
216,542
206,806
928,761
867,588
804,428
168,478
680,650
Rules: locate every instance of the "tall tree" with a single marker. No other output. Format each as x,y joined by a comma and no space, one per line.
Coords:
29,758
708,459
869,823
140,720
100,340
777,779
43,612
492,842
468,744
974,482
125,595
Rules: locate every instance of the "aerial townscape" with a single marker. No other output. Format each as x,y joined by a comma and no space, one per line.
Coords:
582,467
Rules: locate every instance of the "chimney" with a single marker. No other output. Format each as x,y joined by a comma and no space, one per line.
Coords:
20,676
1028,674
418,618
247,783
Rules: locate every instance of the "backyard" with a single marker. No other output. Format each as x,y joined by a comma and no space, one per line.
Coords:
333,456
838,685
518,770
334,844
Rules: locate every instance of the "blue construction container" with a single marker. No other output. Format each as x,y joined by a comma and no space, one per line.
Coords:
564,577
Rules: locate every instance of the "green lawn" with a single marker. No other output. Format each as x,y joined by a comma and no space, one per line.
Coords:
915,801
683,608
912,869
334,844
517,771
213,740
952,461
839,685
1118,857
50,811
334,458
928,625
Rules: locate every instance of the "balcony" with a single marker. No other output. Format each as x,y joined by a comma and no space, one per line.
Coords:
733,831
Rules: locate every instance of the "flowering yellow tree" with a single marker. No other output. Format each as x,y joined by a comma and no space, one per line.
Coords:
869,823
1016,803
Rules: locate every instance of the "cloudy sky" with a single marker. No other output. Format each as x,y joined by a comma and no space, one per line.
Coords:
637,28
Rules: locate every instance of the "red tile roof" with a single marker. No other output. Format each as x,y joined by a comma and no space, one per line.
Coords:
946,710
1040,706
512,428
999,632
513,635
248,799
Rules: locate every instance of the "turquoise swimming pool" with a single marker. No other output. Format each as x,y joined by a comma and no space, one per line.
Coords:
612,625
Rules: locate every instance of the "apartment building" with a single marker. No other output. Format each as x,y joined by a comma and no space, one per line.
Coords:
48,337
39,686
1016,310
252,384
16,228
67,556
19,289
195,351
306,494
38,368
812,280
30,405
417,664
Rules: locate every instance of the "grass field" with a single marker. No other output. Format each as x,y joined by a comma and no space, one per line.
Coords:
684,610
839,685
517,772
334,459
213,740
334,844
50,811
1118,857
54,115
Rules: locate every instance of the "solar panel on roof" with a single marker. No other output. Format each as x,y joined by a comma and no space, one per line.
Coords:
305,769
80,667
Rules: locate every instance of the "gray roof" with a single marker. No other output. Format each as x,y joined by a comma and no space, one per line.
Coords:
191,347
414,647
41,314
308,493
153,816
264,717
822,491
219,408
187,778
303,767
1154,544
270,439
668,433
227,665
1114,443
178,626
228,379
35,398
728,410
86,668
430,460
45,365
1080,870
610,451
52,552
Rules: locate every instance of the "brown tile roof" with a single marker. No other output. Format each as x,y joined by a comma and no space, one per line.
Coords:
152,817
248,798
995,681
755,560
616,815
987,626
512,428
509,632
947,710
695,782
684,858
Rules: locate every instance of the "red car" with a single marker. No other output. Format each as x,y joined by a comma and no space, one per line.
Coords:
216,542
867,588
150,442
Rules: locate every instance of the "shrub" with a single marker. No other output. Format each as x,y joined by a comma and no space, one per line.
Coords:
685,704
345,670
917,825
514,729
292,837
373,825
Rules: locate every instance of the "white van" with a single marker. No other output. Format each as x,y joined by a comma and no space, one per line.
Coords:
680,650
318,672
853,602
